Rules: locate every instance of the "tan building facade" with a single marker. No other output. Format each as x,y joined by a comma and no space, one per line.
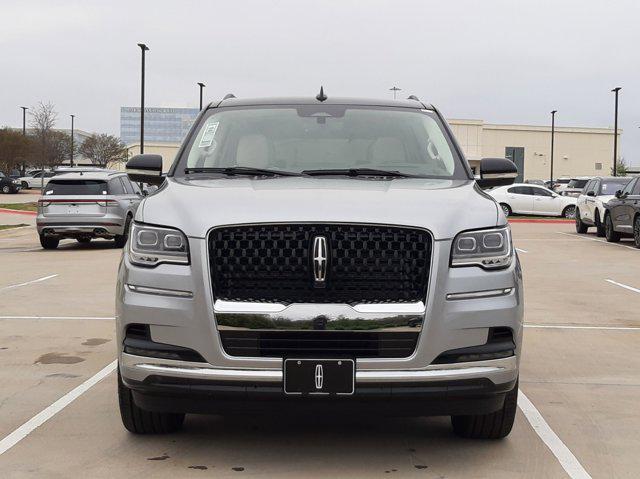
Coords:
578,151
168,151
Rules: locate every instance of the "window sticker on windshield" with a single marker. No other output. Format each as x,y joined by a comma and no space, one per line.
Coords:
207,137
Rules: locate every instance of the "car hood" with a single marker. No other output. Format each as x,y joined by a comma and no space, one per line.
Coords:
445,207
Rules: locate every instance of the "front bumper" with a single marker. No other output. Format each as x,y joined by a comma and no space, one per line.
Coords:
177,386
139,368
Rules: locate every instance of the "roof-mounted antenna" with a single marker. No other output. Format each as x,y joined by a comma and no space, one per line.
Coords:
413,97
229,95
321,96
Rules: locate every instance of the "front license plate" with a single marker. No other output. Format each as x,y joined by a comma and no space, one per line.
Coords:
319,376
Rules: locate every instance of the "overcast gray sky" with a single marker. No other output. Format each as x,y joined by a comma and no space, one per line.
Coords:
500,61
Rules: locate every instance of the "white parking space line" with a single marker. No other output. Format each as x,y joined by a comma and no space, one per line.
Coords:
601,328
573,235
39,280
567,460
43,416
520,250
57,317
630,288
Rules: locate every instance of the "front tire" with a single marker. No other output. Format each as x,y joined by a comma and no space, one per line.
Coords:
25,185
495,425
569,212
506,209
580,226
636,232
612,235
48,242
139,421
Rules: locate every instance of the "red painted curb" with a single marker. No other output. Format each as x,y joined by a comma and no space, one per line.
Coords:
539,221
18,212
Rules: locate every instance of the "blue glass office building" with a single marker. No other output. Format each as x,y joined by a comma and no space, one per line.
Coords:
163,125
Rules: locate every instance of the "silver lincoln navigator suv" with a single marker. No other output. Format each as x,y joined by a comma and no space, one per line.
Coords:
320,254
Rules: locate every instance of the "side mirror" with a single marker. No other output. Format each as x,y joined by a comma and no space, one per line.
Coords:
497,172
591,193
618,193
145,169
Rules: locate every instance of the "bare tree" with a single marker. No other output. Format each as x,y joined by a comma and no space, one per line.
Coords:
104,150
43,119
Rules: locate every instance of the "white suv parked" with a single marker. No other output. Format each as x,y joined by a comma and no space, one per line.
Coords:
528,199
590,206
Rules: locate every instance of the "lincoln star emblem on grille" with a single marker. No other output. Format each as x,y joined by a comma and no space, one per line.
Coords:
319,376
320,256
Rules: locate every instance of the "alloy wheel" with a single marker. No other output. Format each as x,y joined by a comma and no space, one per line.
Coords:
570,212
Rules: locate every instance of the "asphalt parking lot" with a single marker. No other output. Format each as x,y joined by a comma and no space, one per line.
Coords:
580,372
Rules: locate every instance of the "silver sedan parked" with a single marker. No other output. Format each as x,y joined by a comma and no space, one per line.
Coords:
87,205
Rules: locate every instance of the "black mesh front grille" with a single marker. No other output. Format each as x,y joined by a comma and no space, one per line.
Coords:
319,344
366,263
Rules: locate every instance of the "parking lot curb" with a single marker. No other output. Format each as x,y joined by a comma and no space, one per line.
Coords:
540,221
18,212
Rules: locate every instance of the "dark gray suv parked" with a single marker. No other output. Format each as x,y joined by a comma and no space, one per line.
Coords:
622,215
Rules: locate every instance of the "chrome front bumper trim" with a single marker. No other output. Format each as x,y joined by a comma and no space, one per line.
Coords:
221,306
438,372
319,316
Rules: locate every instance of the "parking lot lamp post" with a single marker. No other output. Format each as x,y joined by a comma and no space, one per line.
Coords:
553,133
24,120
24,133
615,134
144,49
71,159
395,90
201,85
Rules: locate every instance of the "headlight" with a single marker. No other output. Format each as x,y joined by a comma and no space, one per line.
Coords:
489,249
152,245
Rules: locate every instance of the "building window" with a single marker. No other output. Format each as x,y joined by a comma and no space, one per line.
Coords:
598,166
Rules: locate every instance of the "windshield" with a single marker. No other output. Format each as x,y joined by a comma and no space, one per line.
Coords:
76,187
577,183
609,187
303,138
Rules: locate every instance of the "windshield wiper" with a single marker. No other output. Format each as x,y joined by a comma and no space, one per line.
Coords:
358,172
241,170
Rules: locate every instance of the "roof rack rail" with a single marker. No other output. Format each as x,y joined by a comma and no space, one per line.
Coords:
228,95
413,97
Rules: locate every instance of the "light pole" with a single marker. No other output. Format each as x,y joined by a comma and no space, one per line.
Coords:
144,48
395,90
24,120
24,133
615,134
553,133
201,85
71,159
